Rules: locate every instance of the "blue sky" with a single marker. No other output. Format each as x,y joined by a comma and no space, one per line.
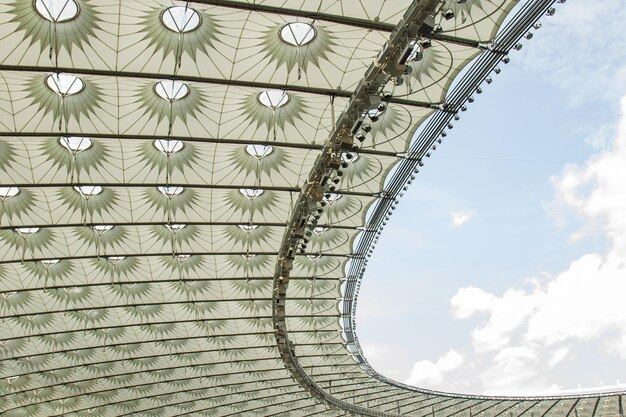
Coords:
501,267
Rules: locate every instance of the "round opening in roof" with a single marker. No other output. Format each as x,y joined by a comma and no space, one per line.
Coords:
273,99
180,19
175,227
171,90
247,227
259,151
7,192
102,228
57,10
297,33
64,84
171,191
251,192
169,146
88,190
26,231
75,144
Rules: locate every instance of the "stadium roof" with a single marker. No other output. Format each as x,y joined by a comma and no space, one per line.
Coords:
189,192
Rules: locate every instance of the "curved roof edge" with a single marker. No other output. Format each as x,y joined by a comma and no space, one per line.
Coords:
504,42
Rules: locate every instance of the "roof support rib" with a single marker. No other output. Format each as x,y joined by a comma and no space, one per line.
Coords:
368,91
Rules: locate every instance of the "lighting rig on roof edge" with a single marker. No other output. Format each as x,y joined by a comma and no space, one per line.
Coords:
453,112
368,102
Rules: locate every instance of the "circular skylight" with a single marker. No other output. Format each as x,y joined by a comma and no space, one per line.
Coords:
250,192
274,99
57,10
102,228
64,84
171,191
175,227
26,231
248,227
169,146
75,144
7,192
171,90
297,33
259,151
88,190
115,259
180,19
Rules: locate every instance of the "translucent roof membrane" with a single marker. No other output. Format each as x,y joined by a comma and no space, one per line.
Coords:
148,184
57,10
181,19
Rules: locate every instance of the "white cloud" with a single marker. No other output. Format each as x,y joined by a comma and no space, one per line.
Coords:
558,356
431,373
459,218
593,72
506,314
529,329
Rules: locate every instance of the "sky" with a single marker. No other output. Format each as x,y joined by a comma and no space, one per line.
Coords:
503,269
